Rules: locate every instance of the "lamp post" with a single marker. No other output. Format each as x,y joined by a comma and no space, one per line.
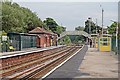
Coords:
90,20
116,36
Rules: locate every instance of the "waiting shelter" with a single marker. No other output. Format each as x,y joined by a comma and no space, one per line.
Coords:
104,42
21,41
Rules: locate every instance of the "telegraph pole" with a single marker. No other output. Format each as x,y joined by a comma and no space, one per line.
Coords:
102,21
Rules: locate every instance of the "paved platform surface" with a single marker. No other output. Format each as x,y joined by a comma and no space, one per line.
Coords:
99,65
71,68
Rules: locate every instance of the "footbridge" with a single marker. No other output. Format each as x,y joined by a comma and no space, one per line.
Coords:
74,33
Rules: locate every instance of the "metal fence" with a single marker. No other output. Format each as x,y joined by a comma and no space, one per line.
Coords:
113,46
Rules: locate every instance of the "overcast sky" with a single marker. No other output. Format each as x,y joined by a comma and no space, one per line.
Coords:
73,14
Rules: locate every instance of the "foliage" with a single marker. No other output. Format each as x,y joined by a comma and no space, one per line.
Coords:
67,40
18,19
79,28
112,28
119,30
59,30
77,39
92,26
53,26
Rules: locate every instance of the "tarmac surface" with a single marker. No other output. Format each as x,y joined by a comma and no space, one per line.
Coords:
71,68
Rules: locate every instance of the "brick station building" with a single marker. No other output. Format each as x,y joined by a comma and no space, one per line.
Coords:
44,37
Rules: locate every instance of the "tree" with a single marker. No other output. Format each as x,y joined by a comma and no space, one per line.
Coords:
77,39
92,26
79,28
59,30
67,40
112,28
53,26
18,19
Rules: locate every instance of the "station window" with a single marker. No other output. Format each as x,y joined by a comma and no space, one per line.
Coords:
105,41
105,44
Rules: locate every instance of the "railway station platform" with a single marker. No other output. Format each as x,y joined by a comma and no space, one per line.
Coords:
88,63
26,51
98,64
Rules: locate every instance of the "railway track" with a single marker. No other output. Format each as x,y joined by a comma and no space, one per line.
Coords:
39,66
20,64
52,65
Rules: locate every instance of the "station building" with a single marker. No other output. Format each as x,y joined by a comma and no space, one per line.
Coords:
44,38
37,38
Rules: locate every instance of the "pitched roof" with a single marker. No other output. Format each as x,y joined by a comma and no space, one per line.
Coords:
37,30
41,30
